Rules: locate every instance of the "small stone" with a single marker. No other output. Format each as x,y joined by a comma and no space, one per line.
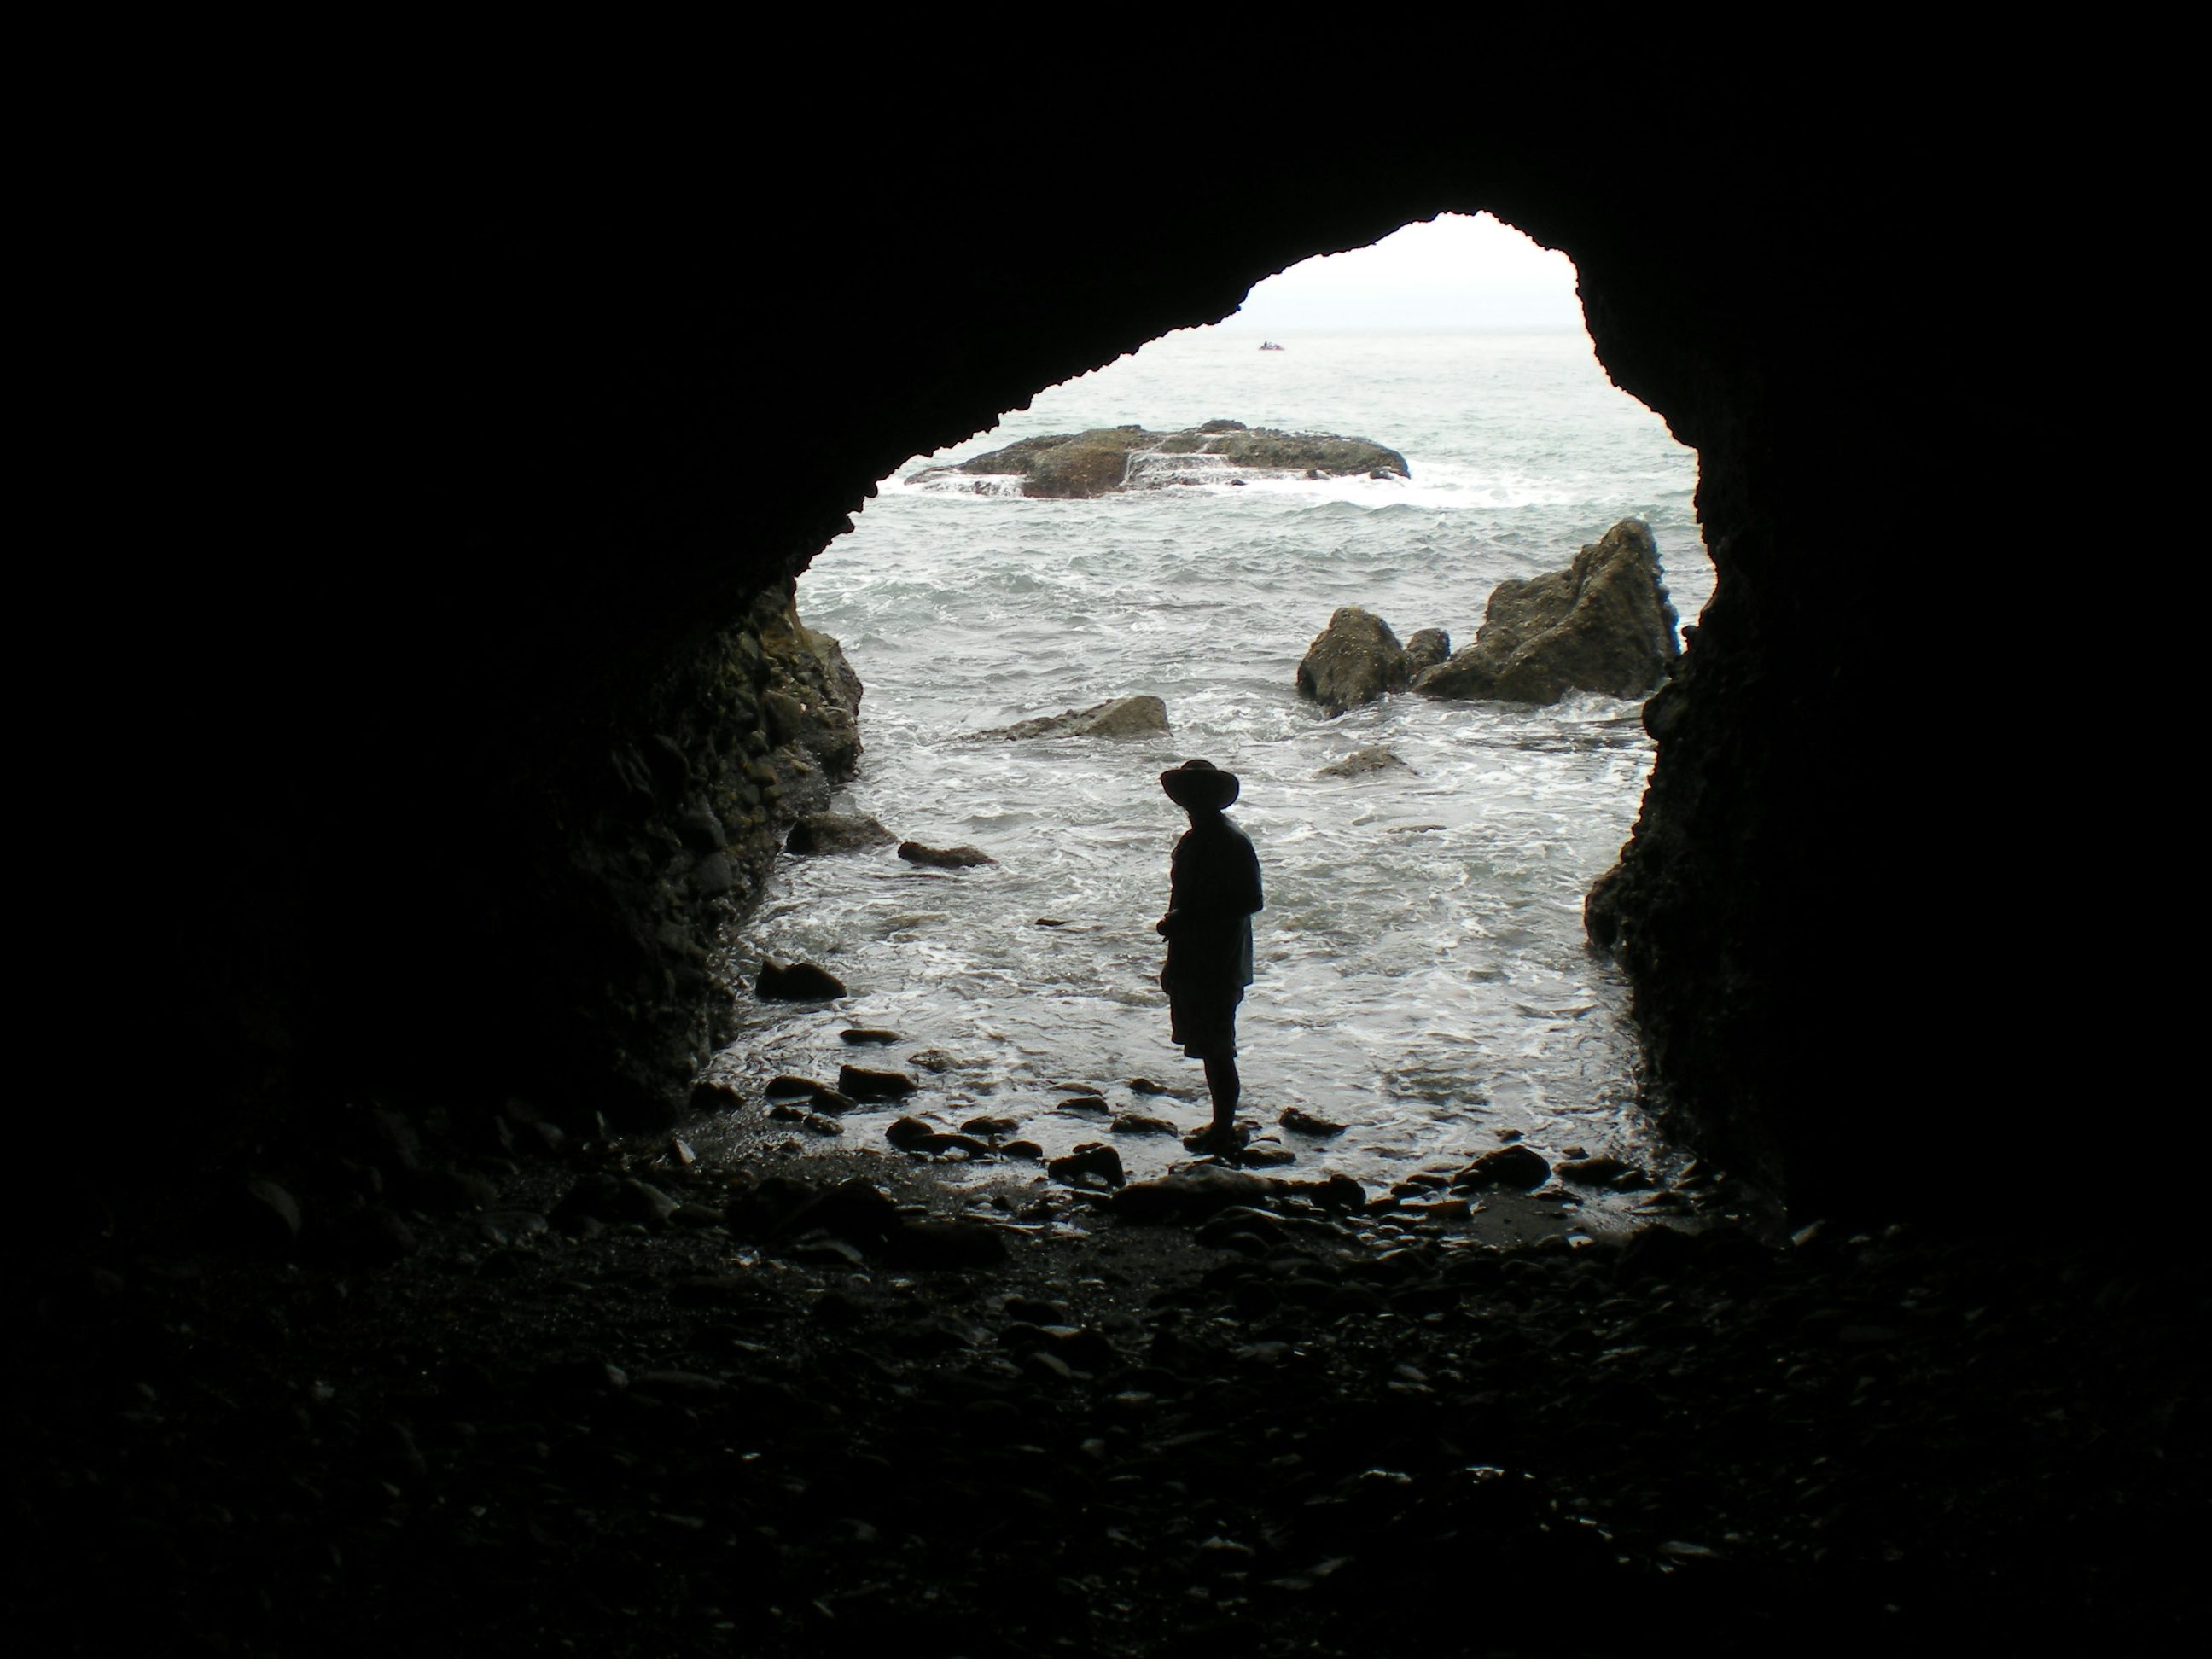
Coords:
796,982
910,1134
1299,1121
864,1084
1086,1106
1088,1165
1145,1086
1136,1124
1517,1167
990,1125
861,1034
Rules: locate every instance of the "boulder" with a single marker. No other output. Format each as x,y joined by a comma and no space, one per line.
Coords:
1360,761
1603,624
1355,659
1428,648
796,982
1106,460
943,858
1140,716
836,832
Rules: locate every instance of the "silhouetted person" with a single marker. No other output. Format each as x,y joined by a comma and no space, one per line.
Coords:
1214,888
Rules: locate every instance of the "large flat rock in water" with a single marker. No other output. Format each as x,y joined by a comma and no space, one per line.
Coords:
1079,465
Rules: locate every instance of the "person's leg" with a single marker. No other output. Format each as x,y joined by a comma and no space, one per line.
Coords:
1223,1084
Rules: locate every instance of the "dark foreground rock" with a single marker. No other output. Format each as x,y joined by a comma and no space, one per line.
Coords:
1143,716
1106,460
855,1409
1354,660
1603,624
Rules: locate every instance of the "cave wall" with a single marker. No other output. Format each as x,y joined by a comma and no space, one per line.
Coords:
560,433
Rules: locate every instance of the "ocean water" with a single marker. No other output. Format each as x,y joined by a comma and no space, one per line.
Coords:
1421,971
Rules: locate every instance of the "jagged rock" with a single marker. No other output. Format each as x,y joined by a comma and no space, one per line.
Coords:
1190,1194
1517,1167
1427,648
943,858
796,982
1360,761
1081,465
1603,624
1142,716
836,832
1355,659
862,1084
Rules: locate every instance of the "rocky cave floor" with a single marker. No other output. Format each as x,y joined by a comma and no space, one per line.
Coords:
511,1403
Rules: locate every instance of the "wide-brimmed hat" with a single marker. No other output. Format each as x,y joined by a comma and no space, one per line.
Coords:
1200,783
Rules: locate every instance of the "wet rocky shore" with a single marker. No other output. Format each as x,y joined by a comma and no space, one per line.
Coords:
578,1393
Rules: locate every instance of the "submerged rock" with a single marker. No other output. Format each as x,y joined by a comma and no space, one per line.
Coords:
1361,762
1603,624
1143,716
1355,659
1106,460
945,857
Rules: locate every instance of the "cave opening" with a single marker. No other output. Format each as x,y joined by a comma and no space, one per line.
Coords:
1423,974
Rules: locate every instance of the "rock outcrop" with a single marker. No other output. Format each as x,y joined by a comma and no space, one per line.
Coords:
820,833
1603,624
1124,717
1355,659
1080,464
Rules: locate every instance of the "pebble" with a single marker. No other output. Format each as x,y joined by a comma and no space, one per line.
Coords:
861,1084
859,1034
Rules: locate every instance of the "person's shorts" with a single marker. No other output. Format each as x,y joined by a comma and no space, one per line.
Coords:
1205,1022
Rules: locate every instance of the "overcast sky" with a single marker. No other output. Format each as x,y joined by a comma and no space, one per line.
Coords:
1452,272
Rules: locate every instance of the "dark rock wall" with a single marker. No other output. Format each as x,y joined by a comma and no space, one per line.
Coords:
546,455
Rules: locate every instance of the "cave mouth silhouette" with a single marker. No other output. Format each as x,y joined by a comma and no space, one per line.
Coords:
567,414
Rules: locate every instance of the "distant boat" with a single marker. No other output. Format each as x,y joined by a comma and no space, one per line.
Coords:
1269,345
